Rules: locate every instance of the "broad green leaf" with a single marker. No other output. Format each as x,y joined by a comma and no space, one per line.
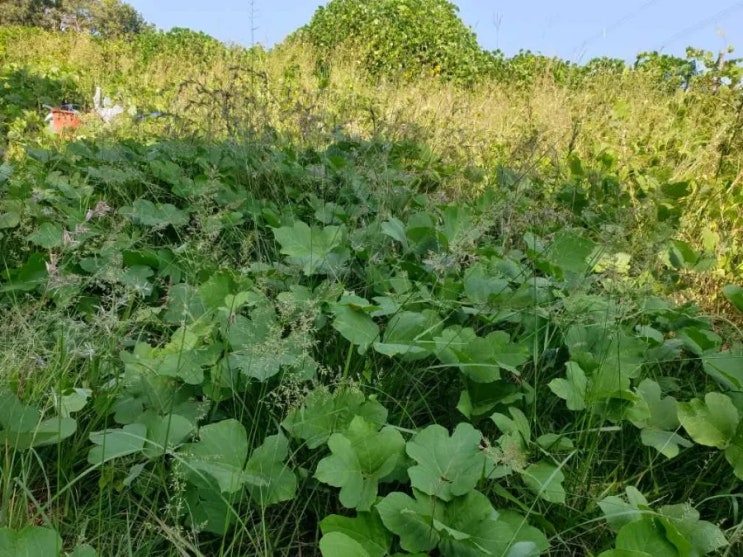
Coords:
278,482
31,541
16,416
663,411
48,432
545,481
355,326
698,340
361,456
734,294
569,252
337,544
317,251
136,279
645,536
527,541
573,388
366,529
470,526
147,213
395,229
446,466
184,305
703,537
482,288
115,443
164,433
324,413
11,219
219,454
665,442
411,519
734,452
480,358
726,367
48,236
619,511
73,401
84,550
711,423
409,334
210,510
682,255
624,553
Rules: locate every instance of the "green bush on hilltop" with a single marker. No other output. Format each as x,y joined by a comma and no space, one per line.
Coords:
401,38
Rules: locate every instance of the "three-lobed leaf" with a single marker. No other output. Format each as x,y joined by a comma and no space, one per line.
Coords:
446,466
360,457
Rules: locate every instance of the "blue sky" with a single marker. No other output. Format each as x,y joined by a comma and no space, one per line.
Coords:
574,29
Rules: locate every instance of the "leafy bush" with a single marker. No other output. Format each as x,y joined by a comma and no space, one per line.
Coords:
401,38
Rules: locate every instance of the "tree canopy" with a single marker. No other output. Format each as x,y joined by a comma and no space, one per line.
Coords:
107,18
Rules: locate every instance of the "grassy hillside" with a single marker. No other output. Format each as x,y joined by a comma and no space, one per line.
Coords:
322,306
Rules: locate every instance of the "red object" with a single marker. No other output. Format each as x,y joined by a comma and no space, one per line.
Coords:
64,119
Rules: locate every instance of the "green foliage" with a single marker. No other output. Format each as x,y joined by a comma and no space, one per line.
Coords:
400,38
105,18
462,338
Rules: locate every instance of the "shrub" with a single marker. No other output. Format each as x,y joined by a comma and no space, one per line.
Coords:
401,38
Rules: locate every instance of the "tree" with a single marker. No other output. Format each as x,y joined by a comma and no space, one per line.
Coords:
32,13
105,18
400,38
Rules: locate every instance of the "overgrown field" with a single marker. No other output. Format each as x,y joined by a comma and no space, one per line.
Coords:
320,307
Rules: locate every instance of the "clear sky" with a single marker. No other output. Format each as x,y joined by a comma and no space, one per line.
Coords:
574,29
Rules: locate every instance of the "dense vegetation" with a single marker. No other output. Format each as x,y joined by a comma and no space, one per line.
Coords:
341,300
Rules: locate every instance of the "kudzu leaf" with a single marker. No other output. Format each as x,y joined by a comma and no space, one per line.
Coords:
624,553
446,466
48,236
409,334
337,544
711,423
48,432
569,252
366,529
165,433
734,453
115,443
726,367
573,388
184,305
411,520
208,509
703,536
84,550
324,413
31,541
317,251
219,455
357,327
734,294
665,442
10,219
267,463
470,526
361,456
480,358
147,213
619,511
545,481
645,536
16,416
